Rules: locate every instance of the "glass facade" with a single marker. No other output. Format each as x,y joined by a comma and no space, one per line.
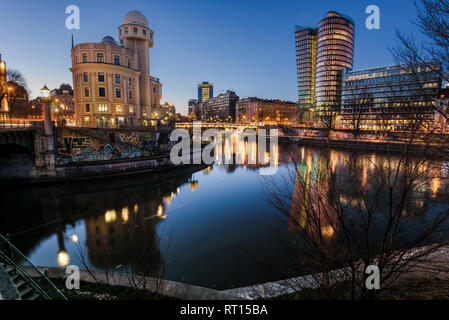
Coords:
394,97
335,49
306,45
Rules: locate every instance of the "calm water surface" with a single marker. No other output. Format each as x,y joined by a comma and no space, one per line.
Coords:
213,227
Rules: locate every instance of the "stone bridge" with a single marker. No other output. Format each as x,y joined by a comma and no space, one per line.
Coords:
32,151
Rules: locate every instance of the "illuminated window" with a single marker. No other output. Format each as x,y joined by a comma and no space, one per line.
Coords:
103,107
131,109
118,108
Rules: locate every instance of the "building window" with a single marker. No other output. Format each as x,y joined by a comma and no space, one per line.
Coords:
129,63
131,109
117,78
86,92
135,30
102,92
130,81
118,108
103,107
86,77
144,112
87,107
100,77
117,60
100,57
130,95
126,30
85,57
118,93
144,32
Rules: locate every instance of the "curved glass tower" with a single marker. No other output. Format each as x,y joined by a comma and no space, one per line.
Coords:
335,51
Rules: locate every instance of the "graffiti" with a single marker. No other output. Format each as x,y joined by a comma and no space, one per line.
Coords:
121,145
76,142
108,152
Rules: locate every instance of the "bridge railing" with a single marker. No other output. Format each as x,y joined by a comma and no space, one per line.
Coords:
18,123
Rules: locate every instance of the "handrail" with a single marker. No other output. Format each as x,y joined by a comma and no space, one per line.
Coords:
24,274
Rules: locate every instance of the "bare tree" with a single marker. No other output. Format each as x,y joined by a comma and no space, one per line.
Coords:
359,211
328,117
375,209
358,104
17,77
433,53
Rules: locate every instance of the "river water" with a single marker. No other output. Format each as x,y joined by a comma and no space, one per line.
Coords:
213,227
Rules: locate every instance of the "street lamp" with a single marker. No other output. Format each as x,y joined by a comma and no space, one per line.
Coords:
45,98
45,95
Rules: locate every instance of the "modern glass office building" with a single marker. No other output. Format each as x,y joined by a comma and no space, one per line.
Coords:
306,42
335,52
393,97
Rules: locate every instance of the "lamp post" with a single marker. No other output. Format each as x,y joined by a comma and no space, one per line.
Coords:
49,148
46,100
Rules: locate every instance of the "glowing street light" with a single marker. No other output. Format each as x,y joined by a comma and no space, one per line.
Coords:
45,94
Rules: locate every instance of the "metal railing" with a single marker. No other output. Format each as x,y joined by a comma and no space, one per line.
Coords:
41,284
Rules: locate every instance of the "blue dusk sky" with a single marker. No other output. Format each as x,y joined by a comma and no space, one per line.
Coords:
243,45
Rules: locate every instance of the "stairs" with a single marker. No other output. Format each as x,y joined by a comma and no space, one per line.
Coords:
25,291
17,283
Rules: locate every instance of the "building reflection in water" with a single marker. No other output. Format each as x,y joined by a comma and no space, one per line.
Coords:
243,149
321,176
118,219
120,222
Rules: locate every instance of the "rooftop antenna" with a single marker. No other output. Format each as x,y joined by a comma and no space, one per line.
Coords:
73,44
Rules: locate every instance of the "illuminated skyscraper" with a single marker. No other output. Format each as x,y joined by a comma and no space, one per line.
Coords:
205,91
322,54
335,52
306,43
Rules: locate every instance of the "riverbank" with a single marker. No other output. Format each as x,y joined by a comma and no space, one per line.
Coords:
428,150
161,287
422,278
93,170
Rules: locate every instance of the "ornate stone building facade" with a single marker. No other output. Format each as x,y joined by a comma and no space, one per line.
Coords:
112,82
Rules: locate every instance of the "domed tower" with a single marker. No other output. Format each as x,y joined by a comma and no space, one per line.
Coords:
136,35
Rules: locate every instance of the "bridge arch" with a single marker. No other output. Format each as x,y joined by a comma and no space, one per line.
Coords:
17,142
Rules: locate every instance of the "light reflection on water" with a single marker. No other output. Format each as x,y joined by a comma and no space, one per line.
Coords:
212,227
